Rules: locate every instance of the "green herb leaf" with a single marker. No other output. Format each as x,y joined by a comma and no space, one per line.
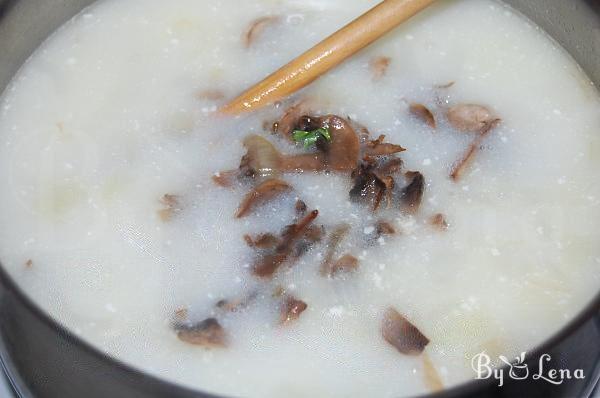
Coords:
310,138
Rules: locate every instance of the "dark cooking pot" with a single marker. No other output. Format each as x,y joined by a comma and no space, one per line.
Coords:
44,360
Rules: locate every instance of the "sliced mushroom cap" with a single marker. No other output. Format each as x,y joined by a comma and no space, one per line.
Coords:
412,195
461,166
379,148
335,238
346,263
225,179
304,162
368,188
470,117
261,159
389,167
300,208
237,304
423,113
264,192
344,149
264,241
291,119
291,309
208,333
268,264
402,334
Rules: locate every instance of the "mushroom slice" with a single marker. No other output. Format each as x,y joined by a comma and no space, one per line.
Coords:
264,241
208,333
291,309
300,208
237,304
225,179
268,264
470,117
412,195
379,148
261,158
304,162
402,334
335,238
423,113
261,194
344,150
291,119
462,165
257,27
346,263
382,228
390,167
379,66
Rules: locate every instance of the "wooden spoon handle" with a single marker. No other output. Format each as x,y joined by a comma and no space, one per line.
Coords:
326,55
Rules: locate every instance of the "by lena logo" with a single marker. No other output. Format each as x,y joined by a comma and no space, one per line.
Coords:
518,370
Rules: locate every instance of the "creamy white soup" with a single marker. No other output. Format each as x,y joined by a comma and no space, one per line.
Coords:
294,251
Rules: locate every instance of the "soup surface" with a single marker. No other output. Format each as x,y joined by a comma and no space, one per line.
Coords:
114,222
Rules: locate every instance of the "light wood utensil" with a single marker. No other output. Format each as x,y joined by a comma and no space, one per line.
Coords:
326,55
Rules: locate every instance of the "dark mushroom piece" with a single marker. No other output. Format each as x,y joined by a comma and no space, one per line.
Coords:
256,28
470,117
423,113
368,187
463,163
208,333
300,208
291,309
268,264
225,179
291,119
263,160
402,334
263,241
344,150
264,192
412,195
335,238
389,167
380,148
346,263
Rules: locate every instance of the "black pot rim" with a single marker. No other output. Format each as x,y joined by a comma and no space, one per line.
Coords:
590,311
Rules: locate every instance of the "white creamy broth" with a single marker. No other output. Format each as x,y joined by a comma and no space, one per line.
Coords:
111,113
